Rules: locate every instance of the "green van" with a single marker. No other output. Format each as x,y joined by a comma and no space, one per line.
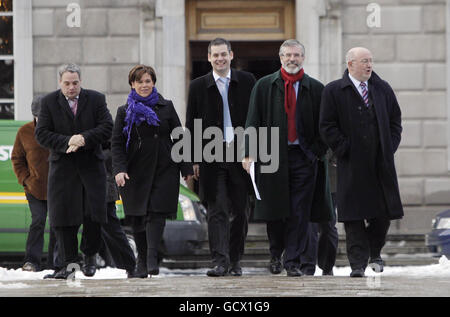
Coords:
182,236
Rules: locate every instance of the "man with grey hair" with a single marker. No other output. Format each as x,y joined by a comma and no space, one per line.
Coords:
289,99
73,124
360,120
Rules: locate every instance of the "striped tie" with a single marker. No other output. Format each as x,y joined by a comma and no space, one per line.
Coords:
365,93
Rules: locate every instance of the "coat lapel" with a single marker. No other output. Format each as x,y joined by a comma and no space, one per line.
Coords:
62,101
304,113
82,102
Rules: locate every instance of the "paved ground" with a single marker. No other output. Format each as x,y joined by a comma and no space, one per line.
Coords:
246,286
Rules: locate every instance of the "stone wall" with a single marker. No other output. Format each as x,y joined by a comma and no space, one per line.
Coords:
106,45
410,53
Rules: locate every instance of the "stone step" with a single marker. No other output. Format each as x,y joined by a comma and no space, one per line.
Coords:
264,263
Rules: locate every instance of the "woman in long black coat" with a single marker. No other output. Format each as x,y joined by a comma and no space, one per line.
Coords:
147,176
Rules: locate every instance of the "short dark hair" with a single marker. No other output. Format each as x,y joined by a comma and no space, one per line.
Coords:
219,41
138,71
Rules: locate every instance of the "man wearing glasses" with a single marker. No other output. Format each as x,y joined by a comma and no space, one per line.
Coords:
360,120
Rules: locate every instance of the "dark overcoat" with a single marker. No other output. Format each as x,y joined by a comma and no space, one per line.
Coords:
154,182
340,127
76,181
205,103
267,110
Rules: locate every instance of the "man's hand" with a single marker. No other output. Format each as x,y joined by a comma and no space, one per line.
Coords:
246,163
72,148
120,179
196,171
77,140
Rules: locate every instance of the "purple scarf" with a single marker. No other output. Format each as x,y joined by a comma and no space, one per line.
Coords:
140,110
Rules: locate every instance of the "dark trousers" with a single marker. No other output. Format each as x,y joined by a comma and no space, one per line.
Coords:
291,234
67,241
116,241
365,241
228,216
322,247
148,235
35,239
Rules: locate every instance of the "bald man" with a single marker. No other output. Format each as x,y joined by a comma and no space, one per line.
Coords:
360,120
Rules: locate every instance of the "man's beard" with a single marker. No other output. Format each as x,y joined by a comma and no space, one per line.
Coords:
290,70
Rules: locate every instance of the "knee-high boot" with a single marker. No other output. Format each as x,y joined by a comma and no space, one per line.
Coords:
154,230
140,239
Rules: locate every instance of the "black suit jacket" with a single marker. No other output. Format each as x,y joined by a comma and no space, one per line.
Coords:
205,103
76,181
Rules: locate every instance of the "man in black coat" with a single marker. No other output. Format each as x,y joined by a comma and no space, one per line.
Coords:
73,124
360,120
220,99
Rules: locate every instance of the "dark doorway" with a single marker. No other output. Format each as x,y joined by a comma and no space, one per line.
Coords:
258,58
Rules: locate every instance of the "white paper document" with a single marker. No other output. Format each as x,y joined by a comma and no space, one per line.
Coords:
252,176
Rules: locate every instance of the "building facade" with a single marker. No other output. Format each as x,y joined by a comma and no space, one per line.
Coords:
409,39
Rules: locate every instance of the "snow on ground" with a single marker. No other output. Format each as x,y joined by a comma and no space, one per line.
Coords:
442,269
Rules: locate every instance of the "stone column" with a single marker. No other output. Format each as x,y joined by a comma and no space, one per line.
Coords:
163,46
308,13
448,81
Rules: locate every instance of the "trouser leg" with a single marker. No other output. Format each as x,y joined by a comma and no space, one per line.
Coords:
276,235
239,211
154,232
91,237
357,244
302,176
308,258
116,241
35,239
327,245
219,222
377,230
67,242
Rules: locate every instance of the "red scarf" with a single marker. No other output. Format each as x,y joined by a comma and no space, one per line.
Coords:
290,100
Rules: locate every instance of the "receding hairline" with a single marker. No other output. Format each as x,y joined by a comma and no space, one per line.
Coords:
291,43
353,52
69,68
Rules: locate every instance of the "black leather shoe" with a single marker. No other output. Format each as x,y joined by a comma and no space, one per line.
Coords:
328,273
89,268
235,269
275,266
154,271
63,274
293,271
357,273
377,264
218,270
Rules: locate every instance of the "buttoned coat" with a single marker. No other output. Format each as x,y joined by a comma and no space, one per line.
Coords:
76,181
340,127
205,103
267,110
154,182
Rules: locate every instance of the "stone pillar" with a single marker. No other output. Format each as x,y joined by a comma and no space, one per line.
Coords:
23,55
448,81
331,58
308,13
163,43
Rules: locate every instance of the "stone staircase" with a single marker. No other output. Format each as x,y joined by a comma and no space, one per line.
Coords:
400,250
